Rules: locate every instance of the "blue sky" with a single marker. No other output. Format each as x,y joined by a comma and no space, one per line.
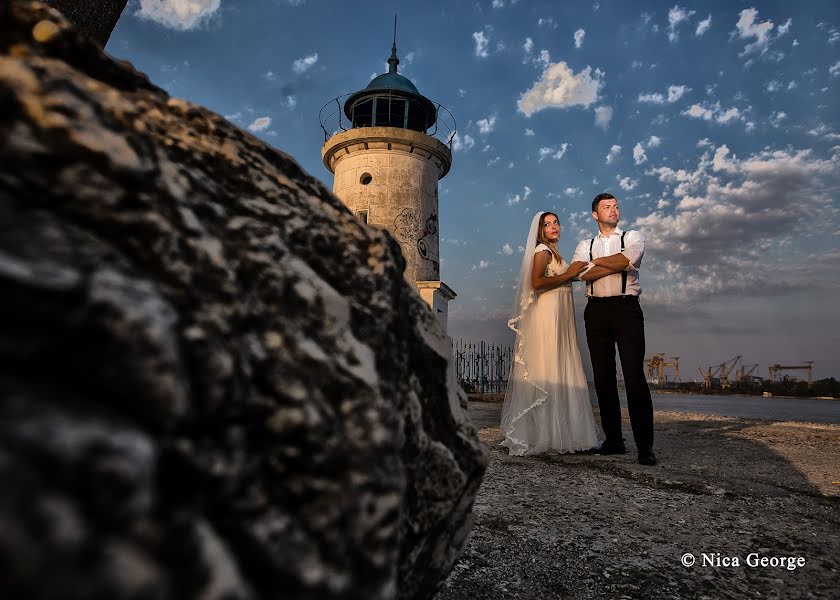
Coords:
716,124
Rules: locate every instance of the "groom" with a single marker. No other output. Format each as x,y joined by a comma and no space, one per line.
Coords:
613,318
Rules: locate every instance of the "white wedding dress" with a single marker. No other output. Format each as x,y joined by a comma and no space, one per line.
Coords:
547,407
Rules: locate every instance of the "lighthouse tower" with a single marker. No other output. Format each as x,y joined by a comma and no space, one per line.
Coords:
387,167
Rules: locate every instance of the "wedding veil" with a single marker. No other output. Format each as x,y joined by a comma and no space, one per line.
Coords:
525,295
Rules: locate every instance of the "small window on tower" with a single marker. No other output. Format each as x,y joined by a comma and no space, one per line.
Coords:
362,215
366,178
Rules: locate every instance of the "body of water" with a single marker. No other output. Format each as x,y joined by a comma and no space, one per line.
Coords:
751,407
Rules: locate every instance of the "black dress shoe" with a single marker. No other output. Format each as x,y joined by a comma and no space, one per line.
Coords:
647,457
610,448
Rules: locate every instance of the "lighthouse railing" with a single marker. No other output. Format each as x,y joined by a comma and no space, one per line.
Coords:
333,120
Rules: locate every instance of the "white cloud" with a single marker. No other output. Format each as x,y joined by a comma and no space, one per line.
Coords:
528,46
462,143
777,117
555,153
627,184
481,43
291,102
832,31
748,28
547,22
675,92
785,27
703,26
677,15
834,69
639,155
774,86
761,201
579,35
259,124
302,65
462,92
652,98
728,115
487,125
699,112
498,3
572,191
653,141
482,264
182,15
822,130
615,151
603,116
714,112
529,132
559,87
517,198
507,249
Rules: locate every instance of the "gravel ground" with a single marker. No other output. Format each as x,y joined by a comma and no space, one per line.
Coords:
588,526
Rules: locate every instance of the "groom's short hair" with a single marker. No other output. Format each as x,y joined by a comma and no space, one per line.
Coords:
599,197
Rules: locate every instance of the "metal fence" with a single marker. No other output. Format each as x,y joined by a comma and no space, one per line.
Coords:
482,368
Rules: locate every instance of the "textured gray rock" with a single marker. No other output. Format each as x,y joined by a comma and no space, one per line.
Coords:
214,381
94,18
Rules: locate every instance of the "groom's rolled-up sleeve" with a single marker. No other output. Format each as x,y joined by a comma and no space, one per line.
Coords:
582,255
634,250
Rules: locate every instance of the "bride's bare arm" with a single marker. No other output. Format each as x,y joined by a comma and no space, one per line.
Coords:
542,282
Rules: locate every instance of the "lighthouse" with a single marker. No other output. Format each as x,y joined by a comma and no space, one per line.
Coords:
387,158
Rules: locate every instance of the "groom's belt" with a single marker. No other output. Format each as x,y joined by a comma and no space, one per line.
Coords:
625,298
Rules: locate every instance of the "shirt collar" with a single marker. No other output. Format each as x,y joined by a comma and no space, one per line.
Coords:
618,231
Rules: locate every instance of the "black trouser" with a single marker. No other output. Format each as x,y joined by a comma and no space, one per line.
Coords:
619,321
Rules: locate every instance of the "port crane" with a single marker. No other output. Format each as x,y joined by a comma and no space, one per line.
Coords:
808,366
709,375
746,372
726,369
656,368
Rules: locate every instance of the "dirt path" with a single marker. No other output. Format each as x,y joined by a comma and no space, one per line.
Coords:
587,526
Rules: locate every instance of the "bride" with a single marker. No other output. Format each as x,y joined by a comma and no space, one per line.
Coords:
547,405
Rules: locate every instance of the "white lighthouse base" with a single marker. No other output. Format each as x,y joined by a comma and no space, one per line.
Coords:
437,295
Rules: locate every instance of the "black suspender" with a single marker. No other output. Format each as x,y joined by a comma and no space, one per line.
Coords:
623,273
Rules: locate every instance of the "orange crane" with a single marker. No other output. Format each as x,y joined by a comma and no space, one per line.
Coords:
808,366
726,368
675,363
708,375
656,368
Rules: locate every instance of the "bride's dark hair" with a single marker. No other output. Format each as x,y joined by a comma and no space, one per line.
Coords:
541,238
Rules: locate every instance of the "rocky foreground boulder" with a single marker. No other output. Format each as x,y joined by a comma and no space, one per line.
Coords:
214,381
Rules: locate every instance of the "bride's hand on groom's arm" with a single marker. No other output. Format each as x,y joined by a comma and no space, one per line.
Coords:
576,267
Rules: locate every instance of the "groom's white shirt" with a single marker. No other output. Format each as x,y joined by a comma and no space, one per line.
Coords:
607,245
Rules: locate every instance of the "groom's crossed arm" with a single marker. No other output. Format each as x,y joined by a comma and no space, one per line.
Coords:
628,259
